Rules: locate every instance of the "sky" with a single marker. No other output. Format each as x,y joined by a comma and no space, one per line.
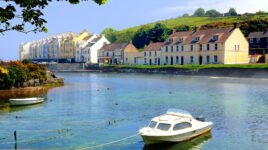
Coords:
119,14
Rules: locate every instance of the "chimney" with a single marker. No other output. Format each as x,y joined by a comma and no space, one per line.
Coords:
174,31
236,25
151,42
196,29
130,42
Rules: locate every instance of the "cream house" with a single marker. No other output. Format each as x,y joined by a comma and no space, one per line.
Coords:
211,46
152,53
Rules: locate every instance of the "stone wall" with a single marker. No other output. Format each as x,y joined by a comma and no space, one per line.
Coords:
65,67
220,72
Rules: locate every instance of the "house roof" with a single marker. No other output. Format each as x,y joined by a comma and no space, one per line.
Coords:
154,46
205,36
96,39
114,46
258,34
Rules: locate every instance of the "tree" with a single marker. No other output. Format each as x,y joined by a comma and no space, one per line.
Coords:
183,28
17,14
260,12
200,12
232,12
185,15
212,13
159,33
141,38
111,34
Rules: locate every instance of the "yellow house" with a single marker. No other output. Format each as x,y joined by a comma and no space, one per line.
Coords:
68,45
212,46
152,53
132,56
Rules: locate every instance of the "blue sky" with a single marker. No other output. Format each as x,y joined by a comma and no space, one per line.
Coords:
119,14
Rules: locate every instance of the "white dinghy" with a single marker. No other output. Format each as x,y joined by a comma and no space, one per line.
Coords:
25,101
174,126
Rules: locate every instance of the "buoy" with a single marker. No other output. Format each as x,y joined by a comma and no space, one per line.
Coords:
108,89
116,103
98,90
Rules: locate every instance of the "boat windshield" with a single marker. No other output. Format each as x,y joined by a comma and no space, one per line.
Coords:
152,124
163,126
179,111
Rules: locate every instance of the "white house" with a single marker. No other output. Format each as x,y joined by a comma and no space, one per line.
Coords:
88,49
24,51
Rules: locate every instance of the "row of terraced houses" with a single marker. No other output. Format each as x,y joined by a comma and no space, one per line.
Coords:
211,46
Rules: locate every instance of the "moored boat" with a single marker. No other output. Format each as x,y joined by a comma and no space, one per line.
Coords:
25,101
174,126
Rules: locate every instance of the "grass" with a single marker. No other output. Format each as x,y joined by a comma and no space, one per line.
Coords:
53,84
191,21
192,67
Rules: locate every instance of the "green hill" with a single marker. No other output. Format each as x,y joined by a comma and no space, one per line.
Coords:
248,23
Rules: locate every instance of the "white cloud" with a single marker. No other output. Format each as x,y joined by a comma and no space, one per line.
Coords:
241,6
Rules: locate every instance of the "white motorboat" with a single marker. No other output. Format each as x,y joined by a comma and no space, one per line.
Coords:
26,101
174,126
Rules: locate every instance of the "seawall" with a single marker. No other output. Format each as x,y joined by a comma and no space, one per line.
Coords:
221,72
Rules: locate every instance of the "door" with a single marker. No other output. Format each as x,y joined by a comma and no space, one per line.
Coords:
158,61
171,60
182,61
150,61
200,60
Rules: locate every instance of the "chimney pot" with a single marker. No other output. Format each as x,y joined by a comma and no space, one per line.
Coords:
151,42
174,31
196,29
130,41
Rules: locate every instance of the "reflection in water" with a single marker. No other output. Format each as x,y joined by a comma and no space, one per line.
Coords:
195,143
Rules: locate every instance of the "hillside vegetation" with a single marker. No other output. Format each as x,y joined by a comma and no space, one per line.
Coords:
143,34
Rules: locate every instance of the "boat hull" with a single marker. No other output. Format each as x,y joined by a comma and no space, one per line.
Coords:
16,102
175,138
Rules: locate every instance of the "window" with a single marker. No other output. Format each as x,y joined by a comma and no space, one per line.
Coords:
177,59
215,47
163,126
200,47
150,53
191,59
171,49
126,59
183,125
166,60
208,59
258,40
135,60
177,48
107,54
207,47
215,37
182,48
215,59
180,40
152,124
155,53
144,53
155,61
192,48
145,61
166,48
196,39
113,53
250,40
170,40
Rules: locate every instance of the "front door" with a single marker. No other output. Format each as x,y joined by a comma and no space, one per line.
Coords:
150,62
158,61
182,61
200,60
171,60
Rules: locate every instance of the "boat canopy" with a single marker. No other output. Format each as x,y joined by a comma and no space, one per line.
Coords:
179,112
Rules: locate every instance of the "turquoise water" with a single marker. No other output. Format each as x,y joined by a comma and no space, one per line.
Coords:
77,115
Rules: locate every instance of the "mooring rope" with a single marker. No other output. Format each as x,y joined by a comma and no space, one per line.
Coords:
96,146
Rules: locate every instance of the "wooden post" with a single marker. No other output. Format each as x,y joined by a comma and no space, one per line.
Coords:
15,138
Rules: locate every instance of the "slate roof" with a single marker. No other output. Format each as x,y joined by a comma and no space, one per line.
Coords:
258,34
205,36
154,46
96,39
114,46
